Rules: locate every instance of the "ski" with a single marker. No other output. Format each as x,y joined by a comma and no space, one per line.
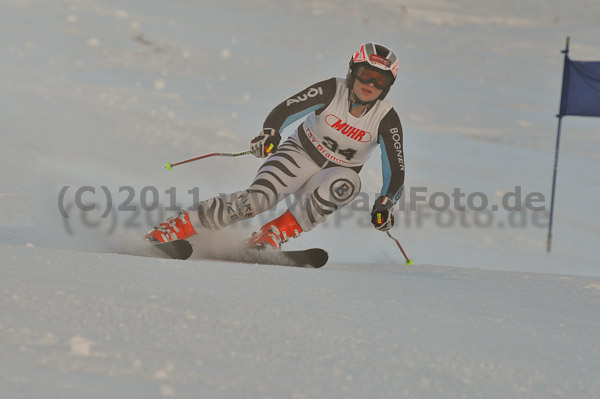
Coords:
310,258
178,249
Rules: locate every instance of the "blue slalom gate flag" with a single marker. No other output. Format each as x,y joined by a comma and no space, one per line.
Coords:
580,97
581,88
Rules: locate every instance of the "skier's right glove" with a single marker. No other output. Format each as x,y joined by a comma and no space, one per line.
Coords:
382,215
265,143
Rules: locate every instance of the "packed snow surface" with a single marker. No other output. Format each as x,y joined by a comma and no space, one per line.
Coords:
77,324
97,96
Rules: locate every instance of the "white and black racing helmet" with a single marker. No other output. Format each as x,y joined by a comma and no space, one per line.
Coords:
374,56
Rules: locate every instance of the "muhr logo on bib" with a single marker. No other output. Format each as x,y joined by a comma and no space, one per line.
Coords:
348,130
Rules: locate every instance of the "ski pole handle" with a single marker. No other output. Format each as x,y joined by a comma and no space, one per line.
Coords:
408,260
170,165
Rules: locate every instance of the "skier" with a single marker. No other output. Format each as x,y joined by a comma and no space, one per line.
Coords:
319,163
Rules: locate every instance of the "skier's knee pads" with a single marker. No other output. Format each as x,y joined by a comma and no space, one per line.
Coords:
323,194
342,185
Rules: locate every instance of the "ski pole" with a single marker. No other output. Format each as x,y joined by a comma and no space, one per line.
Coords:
408,260
170,165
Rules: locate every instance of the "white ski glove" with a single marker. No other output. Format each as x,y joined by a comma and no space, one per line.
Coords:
265,143
382,215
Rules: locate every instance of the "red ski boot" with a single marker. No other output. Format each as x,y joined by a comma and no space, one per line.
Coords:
276,232
175,228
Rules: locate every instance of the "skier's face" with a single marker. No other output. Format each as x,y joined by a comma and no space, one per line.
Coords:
366,92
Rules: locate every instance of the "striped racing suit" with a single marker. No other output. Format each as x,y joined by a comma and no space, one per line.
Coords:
319,163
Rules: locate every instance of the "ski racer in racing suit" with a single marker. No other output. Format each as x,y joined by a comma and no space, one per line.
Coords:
319,163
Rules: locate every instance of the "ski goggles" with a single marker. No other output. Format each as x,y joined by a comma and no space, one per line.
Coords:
367,75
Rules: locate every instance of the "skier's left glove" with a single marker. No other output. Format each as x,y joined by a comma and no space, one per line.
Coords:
382,215
265,143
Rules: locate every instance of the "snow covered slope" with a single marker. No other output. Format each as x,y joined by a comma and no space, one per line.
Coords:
99,95
84,325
